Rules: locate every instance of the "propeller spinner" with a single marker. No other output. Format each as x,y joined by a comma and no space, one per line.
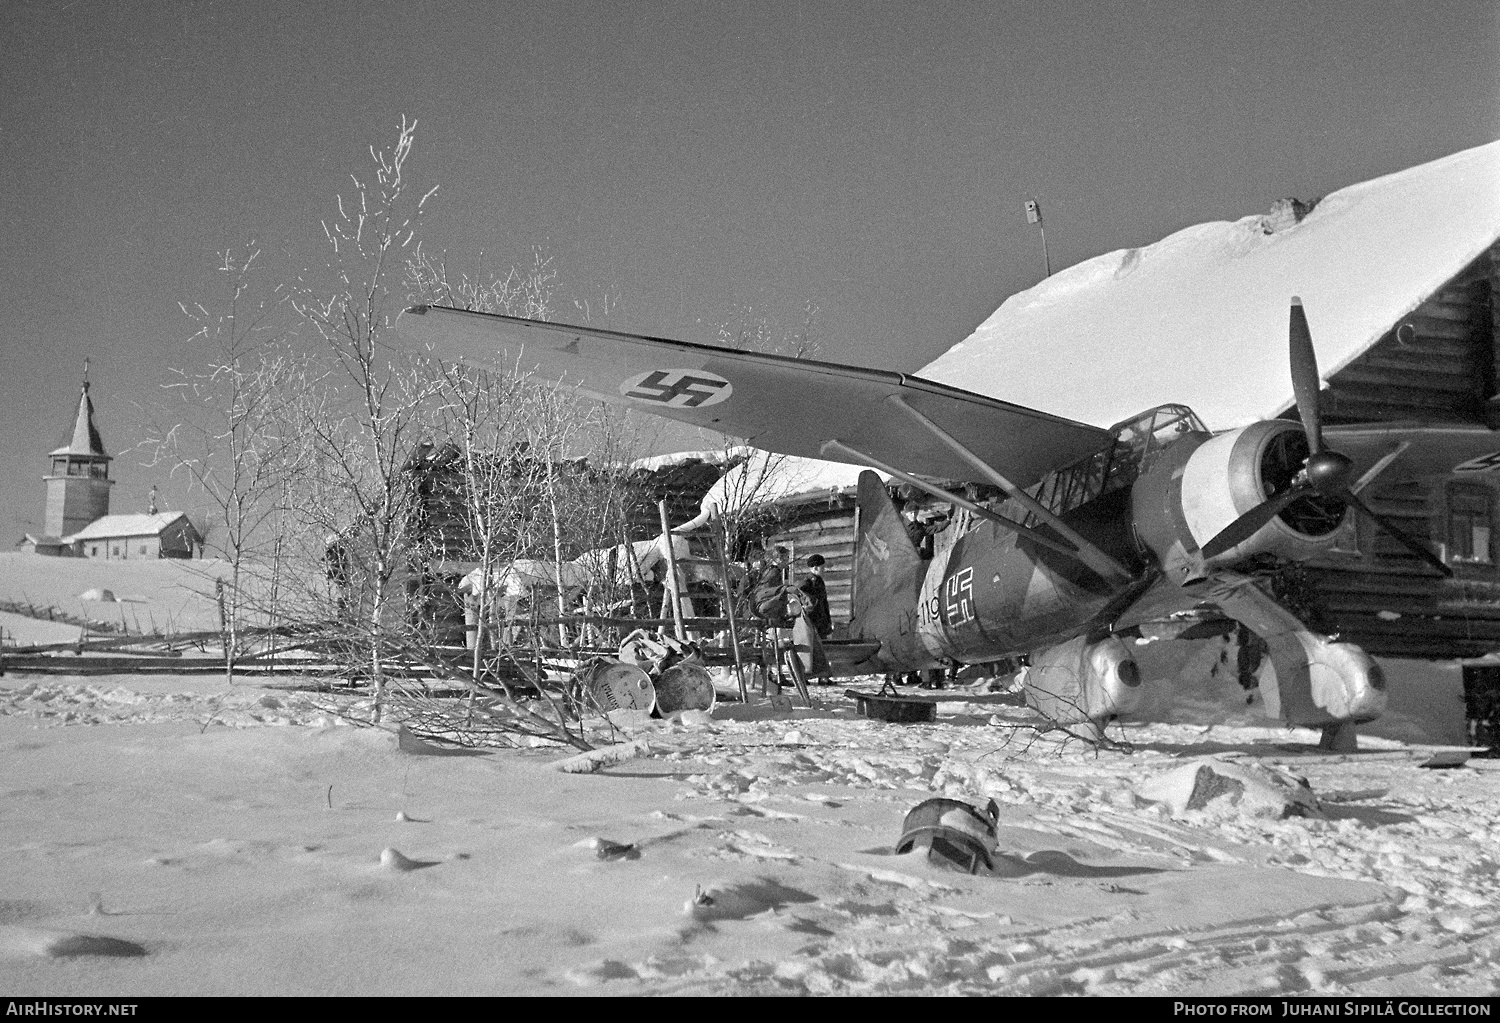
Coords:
1326,473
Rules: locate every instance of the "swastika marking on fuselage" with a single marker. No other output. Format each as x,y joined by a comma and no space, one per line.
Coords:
960,597
678,388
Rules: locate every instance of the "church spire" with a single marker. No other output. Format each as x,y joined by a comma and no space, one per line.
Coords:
78,485
86,439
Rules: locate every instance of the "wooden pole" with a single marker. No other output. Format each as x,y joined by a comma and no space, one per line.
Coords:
734,635
799,677
853,568
666,539
774,631
225,638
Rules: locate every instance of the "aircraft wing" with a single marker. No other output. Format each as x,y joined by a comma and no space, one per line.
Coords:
1424,449
791,406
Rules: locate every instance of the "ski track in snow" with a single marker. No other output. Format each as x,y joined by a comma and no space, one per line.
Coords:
749,792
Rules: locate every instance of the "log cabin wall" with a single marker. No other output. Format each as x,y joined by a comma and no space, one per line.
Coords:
1439,369
1436,366
821,524
681,486
440,516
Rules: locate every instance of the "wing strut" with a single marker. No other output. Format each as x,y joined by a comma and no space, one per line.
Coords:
1380,466
1096,559
854,454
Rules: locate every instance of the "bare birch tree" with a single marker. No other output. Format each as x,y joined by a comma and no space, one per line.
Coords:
228,428
362,439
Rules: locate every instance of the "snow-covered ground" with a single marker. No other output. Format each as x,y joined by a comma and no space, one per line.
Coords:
163,596
170,835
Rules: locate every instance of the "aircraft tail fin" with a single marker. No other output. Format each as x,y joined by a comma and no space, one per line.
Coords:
888,570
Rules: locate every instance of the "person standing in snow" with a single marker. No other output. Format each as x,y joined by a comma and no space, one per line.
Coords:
815,623
815,594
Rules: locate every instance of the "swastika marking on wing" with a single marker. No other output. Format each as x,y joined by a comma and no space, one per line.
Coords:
678,388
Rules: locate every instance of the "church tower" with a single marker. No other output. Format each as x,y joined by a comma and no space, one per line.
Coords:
78,485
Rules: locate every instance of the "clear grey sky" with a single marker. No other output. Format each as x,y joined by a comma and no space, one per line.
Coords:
692,159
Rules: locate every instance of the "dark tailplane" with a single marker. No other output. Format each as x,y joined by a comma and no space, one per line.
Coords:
887,570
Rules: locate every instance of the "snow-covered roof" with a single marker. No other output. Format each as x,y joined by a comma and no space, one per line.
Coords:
111,526
1200,317
715,456
765,478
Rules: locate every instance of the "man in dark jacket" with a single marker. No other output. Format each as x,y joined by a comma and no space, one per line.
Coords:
921,536
815,623
815,593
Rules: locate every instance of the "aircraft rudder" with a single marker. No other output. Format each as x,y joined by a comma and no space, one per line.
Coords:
887,568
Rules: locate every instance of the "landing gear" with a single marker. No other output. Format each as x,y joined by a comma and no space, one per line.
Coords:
1340,737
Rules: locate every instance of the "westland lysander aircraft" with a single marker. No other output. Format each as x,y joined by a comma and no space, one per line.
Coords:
1154,520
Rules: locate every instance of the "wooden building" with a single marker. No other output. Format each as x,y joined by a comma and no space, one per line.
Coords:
1439,365
444,525
137,537
602,507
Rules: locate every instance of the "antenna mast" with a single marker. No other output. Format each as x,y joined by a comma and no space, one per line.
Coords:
1034,216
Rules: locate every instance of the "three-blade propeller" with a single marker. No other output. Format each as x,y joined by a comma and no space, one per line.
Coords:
1326,473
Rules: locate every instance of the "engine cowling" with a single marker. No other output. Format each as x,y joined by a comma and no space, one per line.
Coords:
1201,484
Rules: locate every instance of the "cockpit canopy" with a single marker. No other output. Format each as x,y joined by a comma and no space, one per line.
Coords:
1137,441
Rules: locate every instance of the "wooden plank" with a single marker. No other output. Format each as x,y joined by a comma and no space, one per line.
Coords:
1382,390
1342,603
1420,648
1428,628
1439,338
1452,308
1376,406
1392,567
1461,351
1452,345
1395,380
1376,583
1446,344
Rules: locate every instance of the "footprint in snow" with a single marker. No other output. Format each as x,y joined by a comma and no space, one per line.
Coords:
602,972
